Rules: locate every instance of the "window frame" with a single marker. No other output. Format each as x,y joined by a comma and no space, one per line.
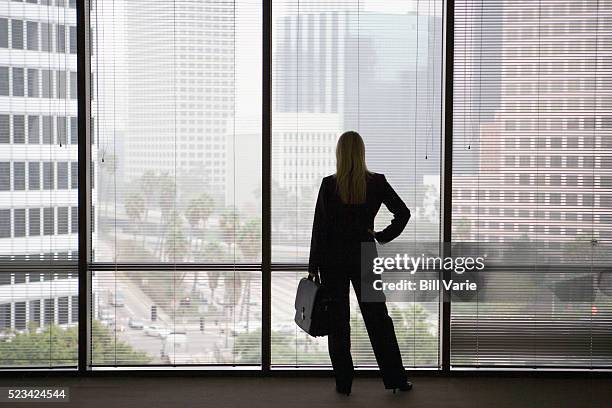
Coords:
266,267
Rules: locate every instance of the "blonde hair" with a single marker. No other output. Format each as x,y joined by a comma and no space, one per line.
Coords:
351,169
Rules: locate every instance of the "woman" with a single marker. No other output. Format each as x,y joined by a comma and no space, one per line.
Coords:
346,206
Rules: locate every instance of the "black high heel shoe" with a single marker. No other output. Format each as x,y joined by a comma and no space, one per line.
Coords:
407,386
343,390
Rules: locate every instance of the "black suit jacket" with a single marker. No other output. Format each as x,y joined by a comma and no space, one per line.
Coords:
339,229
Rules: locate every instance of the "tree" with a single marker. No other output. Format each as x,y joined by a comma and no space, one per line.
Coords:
247,347
58,346
249,240
199,210
249,243
52,346
211,252
135,208
157,190
166,196
419,346
175,244
417,343
228,221
197,213
108,350
148,186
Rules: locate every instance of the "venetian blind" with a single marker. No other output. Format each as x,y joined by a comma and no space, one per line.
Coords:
373,67
532,172
177,168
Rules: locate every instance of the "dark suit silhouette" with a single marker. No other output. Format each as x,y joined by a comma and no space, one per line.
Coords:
337,234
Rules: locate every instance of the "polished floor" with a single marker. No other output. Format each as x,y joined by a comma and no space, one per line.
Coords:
124,391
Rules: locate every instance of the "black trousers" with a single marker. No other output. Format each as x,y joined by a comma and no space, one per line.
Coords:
378,324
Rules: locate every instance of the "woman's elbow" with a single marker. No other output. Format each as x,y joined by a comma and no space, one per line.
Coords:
404,215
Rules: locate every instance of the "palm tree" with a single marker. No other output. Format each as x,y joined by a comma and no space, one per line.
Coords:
197,213
135,208
166,196
175,244
227,223
148,186
211,252
199,209
249,240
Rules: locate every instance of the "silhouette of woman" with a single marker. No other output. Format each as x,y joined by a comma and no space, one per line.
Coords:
347,204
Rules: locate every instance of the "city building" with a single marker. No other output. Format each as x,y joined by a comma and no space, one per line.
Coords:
38,167
526,138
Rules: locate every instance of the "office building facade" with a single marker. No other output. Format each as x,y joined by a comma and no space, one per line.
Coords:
38,161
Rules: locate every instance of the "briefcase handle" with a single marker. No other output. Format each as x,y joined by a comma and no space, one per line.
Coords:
316,278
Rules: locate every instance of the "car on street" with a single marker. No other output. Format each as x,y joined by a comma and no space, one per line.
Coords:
135,324
156,330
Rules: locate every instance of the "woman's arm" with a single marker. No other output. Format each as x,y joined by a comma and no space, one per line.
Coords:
318,232
401,214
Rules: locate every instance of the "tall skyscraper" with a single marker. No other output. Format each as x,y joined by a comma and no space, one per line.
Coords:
349,68
527,170
38,160
337,62
181,90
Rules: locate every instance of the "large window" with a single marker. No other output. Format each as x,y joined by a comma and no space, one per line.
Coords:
531,170
373,67
37,321
177,172
190,244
